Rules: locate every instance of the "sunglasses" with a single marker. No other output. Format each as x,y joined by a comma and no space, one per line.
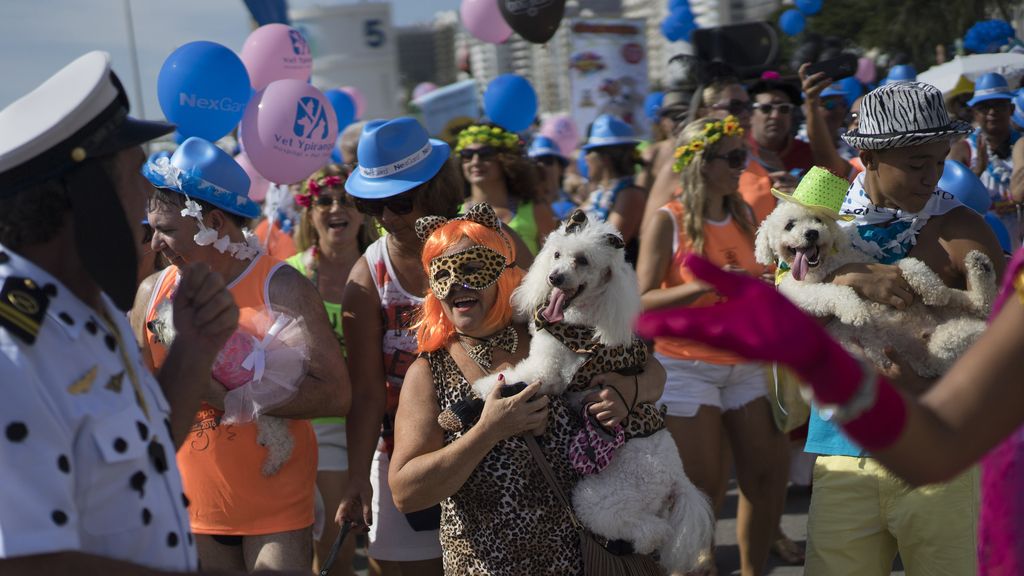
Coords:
736,159
484,152
735,107
998,105
326,201
767,109
399,205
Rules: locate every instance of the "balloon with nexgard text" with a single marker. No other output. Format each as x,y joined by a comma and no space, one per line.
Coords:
288,131
203,88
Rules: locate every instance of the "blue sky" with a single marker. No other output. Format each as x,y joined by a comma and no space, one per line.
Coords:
38,37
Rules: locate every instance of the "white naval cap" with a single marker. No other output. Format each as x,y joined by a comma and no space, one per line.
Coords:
78,113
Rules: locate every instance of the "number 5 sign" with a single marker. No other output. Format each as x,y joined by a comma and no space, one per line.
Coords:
373,33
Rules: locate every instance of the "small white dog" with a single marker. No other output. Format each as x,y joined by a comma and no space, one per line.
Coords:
930,334
581,278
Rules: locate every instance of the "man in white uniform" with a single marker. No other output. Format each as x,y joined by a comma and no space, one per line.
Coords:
87,434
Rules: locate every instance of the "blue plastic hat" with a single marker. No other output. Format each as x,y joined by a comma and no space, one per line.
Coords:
395,156
652,105
608,130
991,86
543,146
961,182
901,73
834,90
202,171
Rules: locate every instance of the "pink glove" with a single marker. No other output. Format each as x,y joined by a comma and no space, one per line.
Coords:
758,323
227,369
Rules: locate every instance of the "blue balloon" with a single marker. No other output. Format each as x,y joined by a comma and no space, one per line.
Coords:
962,183
792,22
336,155
853,89
203,88
510,102
652,105
808,7
1002,234
178,137
678,26
344,107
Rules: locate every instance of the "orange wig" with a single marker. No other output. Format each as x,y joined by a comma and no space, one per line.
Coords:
434,330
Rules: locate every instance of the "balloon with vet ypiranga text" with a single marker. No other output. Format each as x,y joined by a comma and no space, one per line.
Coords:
288,131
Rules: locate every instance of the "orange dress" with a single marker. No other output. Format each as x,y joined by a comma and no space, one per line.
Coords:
220,463
724,244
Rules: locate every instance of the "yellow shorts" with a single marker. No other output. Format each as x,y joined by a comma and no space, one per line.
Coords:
861,515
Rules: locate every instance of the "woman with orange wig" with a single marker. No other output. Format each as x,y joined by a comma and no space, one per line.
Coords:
468,455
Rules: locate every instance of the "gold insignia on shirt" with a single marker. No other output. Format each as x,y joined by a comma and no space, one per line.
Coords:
114,384
84,384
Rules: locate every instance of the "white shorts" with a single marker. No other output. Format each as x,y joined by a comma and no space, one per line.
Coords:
331,447
391,537
692,384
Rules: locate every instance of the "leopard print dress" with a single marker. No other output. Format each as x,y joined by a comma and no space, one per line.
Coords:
506,520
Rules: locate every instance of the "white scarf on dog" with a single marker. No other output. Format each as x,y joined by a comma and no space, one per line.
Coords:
892,242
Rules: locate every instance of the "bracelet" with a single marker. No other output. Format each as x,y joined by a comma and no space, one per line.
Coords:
862,399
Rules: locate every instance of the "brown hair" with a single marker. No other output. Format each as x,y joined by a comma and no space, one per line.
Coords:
443,194
694,198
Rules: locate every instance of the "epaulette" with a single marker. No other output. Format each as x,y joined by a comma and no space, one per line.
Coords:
22,307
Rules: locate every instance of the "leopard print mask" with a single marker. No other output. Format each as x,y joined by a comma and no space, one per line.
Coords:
476,268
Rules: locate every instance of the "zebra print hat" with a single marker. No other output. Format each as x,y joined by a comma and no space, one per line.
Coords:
904,114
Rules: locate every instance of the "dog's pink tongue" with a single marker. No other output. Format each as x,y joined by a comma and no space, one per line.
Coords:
553,312
800,265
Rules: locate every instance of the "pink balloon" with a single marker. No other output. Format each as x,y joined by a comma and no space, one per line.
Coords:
288,131
483,19
276,52
357,97
423,88
866,72
258,185
562,129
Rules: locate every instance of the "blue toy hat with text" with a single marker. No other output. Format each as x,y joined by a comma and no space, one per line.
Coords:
202,171
608,130
542,146
395,156
991,86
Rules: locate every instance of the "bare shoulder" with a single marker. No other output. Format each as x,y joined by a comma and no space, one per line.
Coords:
288,287
947,239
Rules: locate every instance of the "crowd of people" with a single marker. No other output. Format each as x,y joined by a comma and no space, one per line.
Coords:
308,389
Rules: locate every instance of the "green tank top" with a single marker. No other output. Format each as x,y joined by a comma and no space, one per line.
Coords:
524,223
333,314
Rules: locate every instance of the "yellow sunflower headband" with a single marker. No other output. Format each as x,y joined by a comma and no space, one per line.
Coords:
713,132
490,135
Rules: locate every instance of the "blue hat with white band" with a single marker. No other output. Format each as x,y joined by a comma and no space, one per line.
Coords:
991,86
834,90
608,130
395,156
542,146
202,171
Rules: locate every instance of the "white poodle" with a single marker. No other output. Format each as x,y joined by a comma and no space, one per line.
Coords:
929,335
581,279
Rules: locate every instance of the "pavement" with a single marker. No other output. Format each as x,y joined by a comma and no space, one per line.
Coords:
727,555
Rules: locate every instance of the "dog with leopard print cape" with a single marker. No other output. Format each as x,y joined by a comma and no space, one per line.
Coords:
585,298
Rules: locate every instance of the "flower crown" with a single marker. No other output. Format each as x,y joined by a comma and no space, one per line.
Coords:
713,132
490,135
312,187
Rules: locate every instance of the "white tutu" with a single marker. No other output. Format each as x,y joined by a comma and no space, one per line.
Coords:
262,373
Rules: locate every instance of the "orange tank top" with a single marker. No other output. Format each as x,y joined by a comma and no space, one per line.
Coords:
724,244
220,463
756,189
280,245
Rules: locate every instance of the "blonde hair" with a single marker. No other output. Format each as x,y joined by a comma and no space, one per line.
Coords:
712,93
694,197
